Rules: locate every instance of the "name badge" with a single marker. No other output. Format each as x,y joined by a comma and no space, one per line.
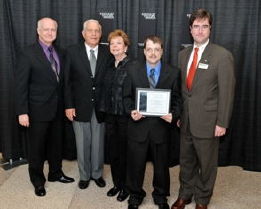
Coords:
203,66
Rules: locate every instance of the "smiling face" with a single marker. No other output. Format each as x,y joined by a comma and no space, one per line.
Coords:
47,30
92,33
117,46
200,30
153,52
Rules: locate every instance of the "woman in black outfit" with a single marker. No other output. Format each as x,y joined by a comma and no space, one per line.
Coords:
116,119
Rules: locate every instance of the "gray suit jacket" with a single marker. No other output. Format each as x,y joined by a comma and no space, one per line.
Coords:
210,101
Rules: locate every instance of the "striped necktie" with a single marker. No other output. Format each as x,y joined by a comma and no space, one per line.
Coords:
152,79
53,62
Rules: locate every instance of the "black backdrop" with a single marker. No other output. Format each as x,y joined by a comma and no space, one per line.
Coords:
236,26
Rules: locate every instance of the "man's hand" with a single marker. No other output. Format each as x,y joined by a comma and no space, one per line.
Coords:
167,118
70,113
24,120
136,115
219,131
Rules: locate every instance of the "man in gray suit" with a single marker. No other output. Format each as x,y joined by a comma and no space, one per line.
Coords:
84,70
208,83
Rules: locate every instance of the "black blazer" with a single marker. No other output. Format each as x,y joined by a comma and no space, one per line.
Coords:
83,91
38,93
155,127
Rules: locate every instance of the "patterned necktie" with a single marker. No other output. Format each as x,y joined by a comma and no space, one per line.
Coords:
92,61
53,63
152,80
192,69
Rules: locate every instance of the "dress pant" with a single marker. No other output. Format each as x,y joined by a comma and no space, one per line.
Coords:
136,165
198,167
90,147
116,132
45,143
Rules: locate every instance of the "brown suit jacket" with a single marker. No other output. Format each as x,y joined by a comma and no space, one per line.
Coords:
210,101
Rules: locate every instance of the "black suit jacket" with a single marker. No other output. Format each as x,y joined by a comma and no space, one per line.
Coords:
154,127
38,93
83,91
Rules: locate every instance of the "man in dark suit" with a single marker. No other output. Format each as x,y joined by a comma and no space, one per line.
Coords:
85,66
150,134
208,82
39,81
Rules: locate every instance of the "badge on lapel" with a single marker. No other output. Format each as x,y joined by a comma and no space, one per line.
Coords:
203,64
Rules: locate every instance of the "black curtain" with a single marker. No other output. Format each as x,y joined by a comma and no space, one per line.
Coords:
236,26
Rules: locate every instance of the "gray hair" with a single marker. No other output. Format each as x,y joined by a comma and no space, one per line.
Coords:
89,21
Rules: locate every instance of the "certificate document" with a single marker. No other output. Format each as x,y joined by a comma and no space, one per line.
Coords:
153,102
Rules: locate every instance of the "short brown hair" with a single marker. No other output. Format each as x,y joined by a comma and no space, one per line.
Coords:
119,33
200,14
154,39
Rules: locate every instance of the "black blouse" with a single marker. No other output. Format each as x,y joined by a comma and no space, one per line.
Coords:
112,99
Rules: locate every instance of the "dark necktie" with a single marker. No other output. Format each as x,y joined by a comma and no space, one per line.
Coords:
152,78
53,63
192,69
92,61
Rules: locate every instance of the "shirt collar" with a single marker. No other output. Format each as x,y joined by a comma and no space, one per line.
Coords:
201,47
88,48
44,46
157,68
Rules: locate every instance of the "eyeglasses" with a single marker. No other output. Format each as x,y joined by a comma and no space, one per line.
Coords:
200,27
155,50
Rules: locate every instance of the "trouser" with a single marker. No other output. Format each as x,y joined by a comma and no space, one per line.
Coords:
90,148
136,165
45,142
116,132
198,167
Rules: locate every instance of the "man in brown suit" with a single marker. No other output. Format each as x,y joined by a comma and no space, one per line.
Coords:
208,83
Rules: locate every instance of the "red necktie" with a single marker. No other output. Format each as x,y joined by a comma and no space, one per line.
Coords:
192,69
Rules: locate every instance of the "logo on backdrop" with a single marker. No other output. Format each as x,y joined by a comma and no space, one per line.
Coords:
147,24
149,15
107,15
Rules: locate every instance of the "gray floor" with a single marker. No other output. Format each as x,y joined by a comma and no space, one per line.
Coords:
235,189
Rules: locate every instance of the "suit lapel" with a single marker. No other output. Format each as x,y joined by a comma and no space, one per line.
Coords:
40,55
144,77
163,75
100,57
204,57
84,58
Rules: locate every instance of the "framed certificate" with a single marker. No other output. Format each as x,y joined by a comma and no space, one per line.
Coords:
153,102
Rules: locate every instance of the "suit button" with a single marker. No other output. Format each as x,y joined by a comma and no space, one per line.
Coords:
92,100
93,88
